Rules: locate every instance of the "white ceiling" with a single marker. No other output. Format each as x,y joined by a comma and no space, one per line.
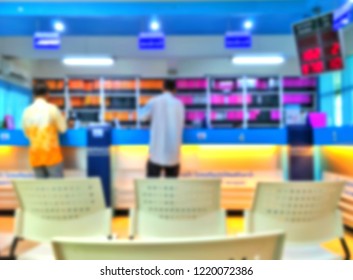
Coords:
126,47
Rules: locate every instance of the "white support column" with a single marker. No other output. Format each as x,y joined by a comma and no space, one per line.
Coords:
137,94
245,103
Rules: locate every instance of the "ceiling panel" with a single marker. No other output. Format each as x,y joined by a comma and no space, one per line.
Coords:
122,18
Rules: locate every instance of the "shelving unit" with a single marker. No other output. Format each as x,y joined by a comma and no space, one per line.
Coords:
84,99
213,102
57,91
299,91
264,106
120,101
148,88
226,102
192,92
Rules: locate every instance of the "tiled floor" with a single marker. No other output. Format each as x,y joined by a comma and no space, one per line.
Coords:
120,227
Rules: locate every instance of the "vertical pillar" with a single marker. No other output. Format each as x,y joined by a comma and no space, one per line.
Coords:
301,153
98,162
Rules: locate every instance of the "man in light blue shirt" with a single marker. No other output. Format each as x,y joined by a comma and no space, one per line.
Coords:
166,114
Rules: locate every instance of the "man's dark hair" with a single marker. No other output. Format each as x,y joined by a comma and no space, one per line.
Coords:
170,85
40,89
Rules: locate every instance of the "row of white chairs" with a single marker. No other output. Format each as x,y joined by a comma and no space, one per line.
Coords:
177,219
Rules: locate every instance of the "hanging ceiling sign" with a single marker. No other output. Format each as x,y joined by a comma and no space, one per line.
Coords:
46,41
151,41
342,16
238,40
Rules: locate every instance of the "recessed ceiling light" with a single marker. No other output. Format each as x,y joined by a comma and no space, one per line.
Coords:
88,61
258,60
248,25
155,25
59,26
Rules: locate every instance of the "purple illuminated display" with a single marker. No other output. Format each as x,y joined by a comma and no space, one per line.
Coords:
186,100
195,116
318,120
297,99
275,115
235,116
253,114
234,99
225,85
299,82
194,84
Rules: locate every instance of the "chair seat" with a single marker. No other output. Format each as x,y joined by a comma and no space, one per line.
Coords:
44,251
41,252
5,241
308,252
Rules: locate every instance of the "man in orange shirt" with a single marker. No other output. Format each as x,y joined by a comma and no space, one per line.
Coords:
42,123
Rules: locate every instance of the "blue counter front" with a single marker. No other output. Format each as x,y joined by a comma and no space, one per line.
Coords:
330,136
72,138
208,137
78,138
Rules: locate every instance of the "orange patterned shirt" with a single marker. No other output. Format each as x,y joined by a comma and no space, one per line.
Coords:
42,123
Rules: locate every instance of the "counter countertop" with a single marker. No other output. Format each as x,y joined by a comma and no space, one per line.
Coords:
78,137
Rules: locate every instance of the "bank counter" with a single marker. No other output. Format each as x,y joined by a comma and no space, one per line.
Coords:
239,157
334,161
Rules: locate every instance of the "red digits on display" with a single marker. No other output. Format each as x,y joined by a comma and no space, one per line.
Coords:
318,67
306,69
312,54
335,49
336,63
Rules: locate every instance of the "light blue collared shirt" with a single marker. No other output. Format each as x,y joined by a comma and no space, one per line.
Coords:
167,116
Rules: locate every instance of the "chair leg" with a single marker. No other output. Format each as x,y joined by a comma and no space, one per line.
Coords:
12,254
14,247
347,253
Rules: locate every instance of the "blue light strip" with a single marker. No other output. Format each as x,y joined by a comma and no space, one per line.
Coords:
209,137
147,8
342,136
72,138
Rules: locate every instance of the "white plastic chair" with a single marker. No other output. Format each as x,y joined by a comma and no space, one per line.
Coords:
268,246
307,212
5,242
177,208
59,207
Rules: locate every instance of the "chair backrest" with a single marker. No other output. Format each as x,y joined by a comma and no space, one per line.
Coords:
307,211
267,246
61,207
170,208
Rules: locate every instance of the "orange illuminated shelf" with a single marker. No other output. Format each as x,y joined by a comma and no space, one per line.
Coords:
144,99
57,100
151,85
120,115
85,101
55,86
84,86
118,85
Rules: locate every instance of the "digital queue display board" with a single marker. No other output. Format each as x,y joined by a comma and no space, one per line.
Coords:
319,45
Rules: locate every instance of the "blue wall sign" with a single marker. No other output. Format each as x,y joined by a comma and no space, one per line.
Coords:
238,40
151,41
46,41
342,16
